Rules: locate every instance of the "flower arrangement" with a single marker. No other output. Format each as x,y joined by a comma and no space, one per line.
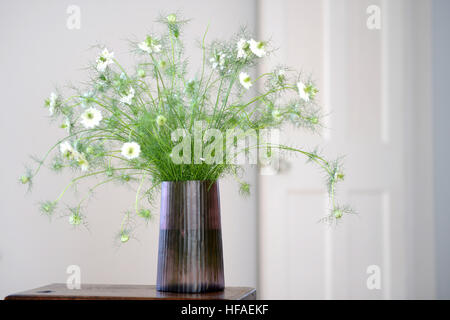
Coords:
127,126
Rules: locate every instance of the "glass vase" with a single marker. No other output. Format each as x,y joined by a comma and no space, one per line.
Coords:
190,257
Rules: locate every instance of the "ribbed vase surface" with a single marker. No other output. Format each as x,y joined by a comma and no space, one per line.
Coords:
190,257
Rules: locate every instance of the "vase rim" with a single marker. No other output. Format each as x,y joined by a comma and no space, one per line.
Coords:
184,181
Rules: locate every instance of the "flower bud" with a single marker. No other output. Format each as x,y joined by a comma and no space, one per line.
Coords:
172,18
144,213
75,219
314,120
141,73
338,213
24,179
161,120
124,237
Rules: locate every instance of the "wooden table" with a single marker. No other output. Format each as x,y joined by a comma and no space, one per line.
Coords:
59,291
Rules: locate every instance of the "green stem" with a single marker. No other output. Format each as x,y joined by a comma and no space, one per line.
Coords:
82,177
203,55
138,192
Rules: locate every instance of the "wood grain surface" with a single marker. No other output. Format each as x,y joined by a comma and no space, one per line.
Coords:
59,291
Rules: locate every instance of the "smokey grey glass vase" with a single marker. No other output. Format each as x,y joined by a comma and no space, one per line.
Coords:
190,257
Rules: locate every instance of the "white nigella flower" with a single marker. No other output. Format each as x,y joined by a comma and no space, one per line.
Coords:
156,48
276,114
105,59
52,103
91,118
302,91
82,162
69,153
150,45
144,47
129,97
243,48
67,150
258,48
281,76
245,80
131,150
218,60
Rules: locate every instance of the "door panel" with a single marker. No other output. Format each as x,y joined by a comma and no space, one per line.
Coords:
305,258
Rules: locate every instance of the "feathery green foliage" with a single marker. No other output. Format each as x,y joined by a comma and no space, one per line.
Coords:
120,126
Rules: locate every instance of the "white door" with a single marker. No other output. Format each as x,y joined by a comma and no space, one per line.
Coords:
361,74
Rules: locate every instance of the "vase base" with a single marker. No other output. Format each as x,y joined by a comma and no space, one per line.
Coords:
190,288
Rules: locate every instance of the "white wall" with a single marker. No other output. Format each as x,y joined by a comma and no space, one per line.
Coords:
39,52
